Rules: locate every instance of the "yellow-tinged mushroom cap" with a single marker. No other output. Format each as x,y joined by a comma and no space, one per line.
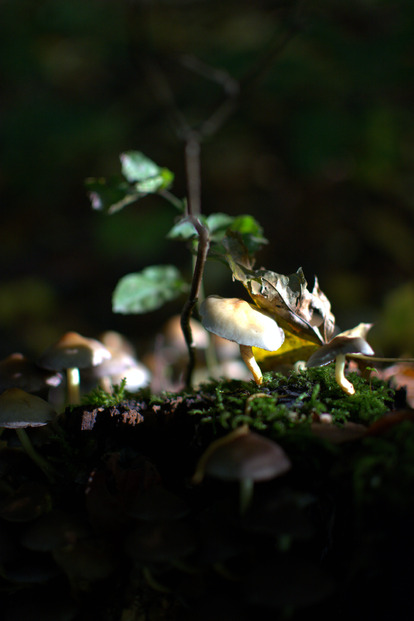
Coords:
237,320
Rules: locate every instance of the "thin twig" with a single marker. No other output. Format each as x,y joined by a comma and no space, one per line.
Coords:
192,164
202,252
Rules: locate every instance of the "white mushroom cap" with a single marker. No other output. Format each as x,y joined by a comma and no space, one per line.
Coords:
339,345
237,320
117,364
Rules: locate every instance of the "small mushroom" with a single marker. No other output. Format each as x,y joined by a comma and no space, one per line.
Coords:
337,349
173,338
17,371
71,353
243,456
115,341
120,366
19,410
245,324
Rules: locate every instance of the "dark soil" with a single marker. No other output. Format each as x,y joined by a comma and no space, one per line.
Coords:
123,534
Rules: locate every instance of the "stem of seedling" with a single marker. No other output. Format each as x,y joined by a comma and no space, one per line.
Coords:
193,208
202,251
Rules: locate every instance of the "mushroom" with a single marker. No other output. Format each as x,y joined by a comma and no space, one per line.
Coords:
120,366
337,349
19,410
71,353
17,371
243,456
245,324
174,340
115,341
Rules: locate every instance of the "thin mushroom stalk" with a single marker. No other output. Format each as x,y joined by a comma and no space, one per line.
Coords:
28,447
343,382
246,487
337,349
73,385
246,352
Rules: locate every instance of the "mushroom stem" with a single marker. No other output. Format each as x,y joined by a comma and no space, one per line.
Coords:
249,360
33,454
246,493
340,375
73,385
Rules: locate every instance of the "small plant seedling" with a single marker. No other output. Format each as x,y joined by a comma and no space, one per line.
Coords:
215,236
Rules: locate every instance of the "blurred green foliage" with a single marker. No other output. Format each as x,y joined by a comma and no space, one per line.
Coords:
319,147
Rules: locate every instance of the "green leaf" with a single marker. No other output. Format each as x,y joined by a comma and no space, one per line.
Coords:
138,167
247,225
147,290
147,176
217,224
183,230
250,232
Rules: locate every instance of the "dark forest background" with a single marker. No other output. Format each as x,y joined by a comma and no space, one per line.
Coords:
319,148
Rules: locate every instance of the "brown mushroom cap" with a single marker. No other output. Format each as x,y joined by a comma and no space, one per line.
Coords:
237,320
337,346
17,371
19,409
74,351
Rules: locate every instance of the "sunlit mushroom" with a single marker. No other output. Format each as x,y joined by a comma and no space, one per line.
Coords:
120,366
71,353
337,349
245,324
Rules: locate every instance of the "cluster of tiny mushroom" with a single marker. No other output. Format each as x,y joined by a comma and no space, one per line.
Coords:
232,319
20,378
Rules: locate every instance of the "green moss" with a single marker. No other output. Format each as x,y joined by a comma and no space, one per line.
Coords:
101,398
286,402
